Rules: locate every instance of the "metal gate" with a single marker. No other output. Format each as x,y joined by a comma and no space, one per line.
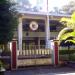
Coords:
34,55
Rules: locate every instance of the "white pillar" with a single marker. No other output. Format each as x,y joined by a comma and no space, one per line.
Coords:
20,34
47,29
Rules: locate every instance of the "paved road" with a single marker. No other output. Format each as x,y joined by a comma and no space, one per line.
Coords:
44,70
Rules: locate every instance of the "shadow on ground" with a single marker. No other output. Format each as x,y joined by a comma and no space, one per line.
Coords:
43,70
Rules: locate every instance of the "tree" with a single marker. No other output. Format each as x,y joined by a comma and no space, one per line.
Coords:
38,6
69,24
68,31
8,21
69,8
67,34
24,5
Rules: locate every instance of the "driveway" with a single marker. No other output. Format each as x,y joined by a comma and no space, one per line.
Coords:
43,70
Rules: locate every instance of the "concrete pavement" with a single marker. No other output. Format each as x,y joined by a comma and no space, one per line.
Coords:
43,70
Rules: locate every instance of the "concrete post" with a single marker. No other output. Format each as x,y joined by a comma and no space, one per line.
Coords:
55,52
14,55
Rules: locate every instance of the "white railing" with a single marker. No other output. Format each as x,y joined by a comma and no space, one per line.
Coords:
34,50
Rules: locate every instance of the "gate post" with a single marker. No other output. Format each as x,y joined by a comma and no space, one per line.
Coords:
14,55
56,52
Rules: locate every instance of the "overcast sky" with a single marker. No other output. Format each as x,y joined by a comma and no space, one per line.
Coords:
51,3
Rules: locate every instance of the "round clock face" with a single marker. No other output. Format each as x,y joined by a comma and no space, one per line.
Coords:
33,25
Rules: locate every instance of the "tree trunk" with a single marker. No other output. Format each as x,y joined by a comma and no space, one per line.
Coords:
5,47
69,53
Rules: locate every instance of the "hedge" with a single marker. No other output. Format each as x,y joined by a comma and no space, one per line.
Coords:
61,52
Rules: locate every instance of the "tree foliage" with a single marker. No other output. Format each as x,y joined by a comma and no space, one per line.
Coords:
69,26
8,21
67,34
69,8
26,5
23,5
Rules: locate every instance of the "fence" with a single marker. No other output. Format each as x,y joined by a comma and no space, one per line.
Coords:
34,55
34,50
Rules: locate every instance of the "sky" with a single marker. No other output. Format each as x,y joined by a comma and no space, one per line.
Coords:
51,3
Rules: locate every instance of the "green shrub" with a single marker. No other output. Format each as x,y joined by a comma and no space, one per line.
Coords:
62,52
72,57
67,55
6,53
1,64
